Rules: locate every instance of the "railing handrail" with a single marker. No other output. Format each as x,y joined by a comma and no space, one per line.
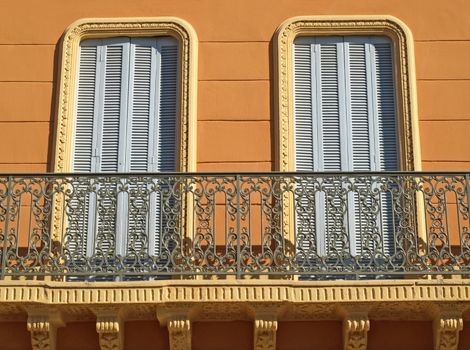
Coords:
245,173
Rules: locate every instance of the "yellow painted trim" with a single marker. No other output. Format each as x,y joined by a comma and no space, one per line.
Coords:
347,25
235,300
132,27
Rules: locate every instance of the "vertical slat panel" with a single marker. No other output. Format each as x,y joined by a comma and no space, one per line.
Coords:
386,115
359,113
165,155
110,135
362,220
140,107
81,223
85,109
167,121
111,110
333,143
304,138
330,109
387,146
141,117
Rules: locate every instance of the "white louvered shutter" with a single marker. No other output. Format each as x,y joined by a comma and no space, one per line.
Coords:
126,104
354,129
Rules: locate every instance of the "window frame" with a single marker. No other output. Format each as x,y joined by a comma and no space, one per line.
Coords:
406,100
102,28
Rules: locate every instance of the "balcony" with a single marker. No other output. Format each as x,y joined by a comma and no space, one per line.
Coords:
309,226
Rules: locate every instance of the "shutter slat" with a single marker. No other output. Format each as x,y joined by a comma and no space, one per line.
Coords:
359,112
330,147
387,135
386,115
304,157
83,141
81,223
166,140
142,114
109,151
166,157
303,125
357,88
140,109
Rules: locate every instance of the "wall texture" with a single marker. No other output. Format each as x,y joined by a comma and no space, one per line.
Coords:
235,102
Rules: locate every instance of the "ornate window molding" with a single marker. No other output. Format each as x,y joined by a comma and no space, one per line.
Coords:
131,27
347,25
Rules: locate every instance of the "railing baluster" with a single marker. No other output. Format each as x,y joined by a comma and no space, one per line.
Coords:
5,235
467,182
238,230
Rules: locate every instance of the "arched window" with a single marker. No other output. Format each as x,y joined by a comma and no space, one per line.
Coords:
126,104
346,103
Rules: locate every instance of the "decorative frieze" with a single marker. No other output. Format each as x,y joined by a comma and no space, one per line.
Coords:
228,300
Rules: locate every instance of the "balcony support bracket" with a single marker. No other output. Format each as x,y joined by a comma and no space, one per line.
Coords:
356,324
265,334
265,316
179,331
179,325
43,324
110,328
447,326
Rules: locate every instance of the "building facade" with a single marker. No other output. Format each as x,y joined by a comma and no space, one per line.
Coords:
235,175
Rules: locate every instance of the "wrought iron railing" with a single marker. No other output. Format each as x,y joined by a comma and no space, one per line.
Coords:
314,225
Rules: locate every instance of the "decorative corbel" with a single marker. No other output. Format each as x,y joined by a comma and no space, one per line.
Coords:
265,334
179,331
265,316
178,322
447,326
43,324
110,328
356,324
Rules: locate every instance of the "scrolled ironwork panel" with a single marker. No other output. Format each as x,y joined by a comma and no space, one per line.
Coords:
315,225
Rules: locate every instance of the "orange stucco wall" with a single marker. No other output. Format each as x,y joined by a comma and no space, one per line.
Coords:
308,335
14,336
393,335
235,102
233,335
77,336
238,335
